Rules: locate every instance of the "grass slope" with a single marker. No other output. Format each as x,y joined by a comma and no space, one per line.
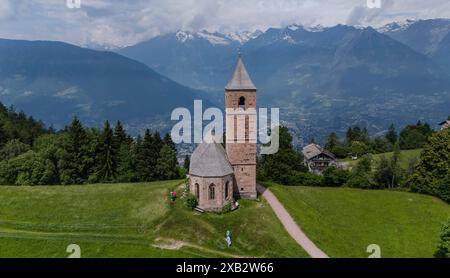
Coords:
131,220
405,158
344,222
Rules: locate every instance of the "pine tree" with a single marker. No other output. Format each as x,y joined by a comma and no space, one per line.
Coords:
333,142
391,135
106,156
169,142
3,136
167,164
126,163
395,165
187,162
146,158
120,136
76,160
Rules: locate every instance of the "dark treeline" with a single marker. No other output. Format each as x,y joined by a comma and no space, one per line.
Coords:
16,125
30,154
358,142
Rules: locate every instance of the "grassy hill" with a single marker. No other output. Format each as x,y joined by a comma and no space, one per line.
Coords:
344,222
406,157
132,220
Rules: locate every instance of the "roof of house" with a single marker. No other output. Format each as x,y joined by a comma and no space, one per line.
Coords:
240,80
210,160
314,150
446,122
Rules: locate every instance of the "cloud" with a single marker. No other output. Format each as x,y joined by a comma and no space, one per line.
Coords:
114,22
6,10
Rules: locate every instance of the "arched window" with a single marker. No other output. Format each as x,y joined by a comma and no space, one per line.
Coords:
212,192
197,191
227,189
242,102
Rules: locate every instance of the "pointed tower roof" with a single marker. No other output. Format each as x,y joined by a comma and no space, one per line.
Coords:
240,80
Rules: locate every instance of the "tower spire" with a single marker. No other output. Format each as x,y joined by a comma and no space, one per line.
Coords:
240,80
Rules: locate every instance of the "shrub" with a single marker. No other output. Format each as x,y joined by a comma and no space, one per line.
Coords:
444,189
443,250
191,202
341,151
359,148
432,173
335,177
297,178
363,181
227,208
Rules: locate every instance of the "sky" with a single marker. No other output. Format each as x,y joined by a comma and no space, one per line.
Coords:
121,23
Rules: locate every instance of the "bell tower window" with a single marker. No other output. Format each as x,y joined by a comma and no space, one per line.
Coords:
242,102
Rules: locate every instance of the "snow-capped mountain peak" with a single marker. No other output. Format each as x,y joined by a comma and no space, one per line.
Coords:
245,36
396,26
217,38
184,36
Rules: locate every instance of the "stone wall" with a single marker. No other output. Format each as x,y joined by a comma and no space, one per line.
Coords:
219,202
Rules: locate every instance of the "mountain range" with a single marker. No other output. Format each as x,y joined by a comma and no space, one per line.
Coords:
54,81
323,79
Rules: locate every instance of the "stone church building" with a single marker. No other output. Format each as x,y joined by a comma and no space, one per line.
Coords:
219,175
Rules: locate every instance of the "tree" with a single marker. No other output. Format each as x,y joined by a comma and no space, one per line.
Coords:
167,164
169,142
126,163
187,162
3,136
395,166
51,148
391,135
77,161
106,156
361,176
13,149
415,136
27,169
434,166
280,167
443,250
335,177
120,136
359,148
381,145
146,158
333,142
383,173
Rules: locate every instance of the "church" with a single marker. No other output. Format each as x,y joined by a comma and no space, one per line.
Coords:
219,175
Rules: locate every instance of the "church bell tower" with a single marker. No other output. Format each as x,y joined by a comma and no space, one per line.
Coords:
240,103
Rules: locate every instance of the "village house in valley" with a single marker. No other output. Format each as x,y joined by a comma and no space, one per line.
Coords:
445,125
318,159
217,175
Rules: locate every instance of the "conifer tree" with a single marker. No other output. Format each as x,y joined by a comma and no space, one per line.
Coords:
167,164
120,136
187,162
391,135
106,156
333,142
3,136
76,160
169,142
146,158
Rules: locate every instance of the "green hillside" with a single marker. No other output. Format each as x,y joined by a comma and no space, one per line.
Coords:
406,157
344,222
132,220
